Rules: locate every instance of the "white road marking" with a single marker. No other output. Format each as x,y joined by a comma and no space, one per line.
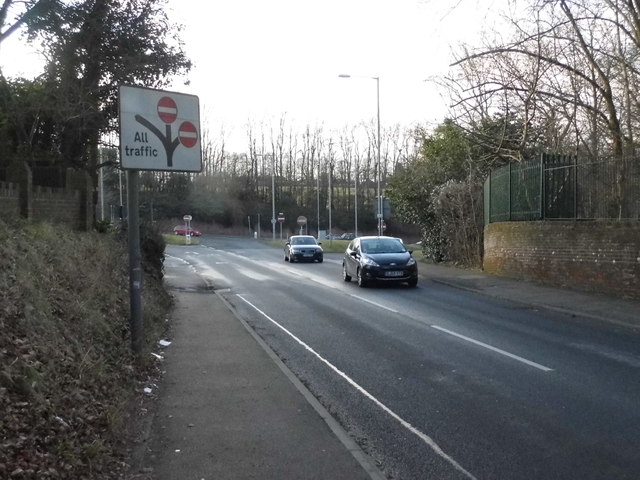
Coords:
373,303
425,438
494,349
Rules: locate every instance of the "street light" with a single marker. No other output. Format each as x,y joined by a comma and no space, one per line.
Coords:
273,193
379,214
273,198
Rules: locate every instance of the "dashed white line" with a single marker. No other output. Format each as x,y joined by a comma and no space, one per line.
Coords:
494,349
424,437
373,303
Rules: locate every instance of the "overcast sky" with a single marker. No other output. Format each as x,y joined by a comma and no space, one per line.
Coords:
257,60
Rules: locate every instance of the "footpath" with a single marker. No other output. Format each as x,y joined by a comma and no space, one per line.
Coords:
228,408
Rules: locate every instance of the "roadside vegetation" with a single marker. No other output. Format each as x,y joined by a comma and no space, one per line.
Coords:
553,77
67,378
171,239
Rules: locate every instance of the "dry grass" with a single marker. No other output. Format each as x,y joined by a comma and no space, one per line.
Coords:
67,378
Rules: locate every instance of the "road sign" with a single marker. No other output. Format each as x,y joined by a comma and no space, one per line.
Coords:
281,218
302,220
188,134
159,130
187,218
167,110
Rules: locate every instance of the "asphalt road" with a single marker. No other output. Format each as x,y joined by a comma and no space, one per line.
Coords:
436,382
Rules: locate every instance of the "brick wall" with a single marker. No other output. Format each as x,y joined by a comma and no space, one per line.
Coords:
593,256
9,200
54,205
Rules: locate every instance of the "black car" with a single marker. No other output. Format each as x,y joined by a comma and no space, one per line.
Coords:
303,248
383,259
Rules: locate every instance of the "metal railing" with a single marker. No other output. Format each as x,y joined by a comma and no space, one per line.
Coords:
560,187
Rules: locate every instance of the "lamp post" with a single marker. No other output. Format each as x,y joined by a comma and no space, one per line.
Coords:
273,194
355,197
318,197
379,214
273,198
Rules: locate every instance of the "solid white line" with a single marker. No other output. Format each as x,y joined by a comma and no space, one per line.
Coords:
425,438
373,303
494,349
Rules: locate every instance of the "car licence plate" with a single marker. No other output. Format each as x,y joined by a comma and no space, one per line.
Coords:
393,273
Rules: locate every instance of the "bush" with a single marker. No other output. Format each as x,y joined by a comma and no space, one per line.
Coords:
456,234
152,246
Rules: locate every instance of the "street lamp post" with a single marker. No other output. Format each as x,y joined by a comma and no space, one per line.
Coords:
379,214
355,197
273,194
318,197
273,198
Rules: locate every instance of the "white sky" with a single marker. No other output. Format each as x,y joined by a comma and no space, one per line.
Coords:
257,60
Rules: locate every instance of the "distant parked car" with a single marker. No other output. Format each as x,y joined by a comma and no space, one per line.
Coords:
303,248
383,259
182,230
332,236
347,236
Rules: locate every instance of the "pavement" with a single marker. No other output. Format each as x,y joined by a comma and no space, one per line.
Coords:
228,408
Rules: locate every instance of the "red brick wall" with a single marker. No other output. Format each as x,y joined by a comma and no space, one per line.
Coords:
593,256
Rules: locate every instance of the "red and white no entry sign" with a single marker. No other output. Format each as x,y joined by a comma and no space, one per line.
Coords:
188,134
167,110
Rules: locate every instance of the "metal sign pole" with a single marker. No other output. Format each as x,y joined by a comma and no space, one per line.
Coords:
135,267
159,130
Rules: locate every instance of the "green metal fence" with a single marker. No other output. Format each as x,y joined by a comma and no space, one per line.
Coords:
560,187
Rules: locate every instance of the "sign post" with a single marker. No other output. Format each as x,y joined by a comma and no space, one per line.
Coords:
148,142
187,228
281,220
135,264
302,221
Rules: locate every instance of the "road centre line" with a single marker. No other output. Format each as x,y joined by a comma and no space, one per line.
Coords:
494,349
424,437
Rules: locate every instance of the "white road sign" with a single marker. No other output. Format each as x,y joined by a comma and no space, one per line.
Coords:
159,130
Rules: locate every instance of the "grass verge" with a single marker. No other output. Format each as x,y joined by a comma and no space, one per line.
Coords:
179,239
67,377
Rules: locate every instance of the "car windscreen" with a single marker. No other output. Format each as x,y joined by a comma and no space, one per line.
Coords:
303,241
382,245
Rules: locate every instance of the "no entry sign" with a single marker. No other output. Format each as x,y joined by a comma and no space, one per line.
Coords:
167,110
188,134
159,130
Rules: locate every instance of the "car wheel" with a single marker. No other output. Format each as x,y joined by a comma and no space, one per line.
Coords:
346,277
413,282
320,260
362,283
